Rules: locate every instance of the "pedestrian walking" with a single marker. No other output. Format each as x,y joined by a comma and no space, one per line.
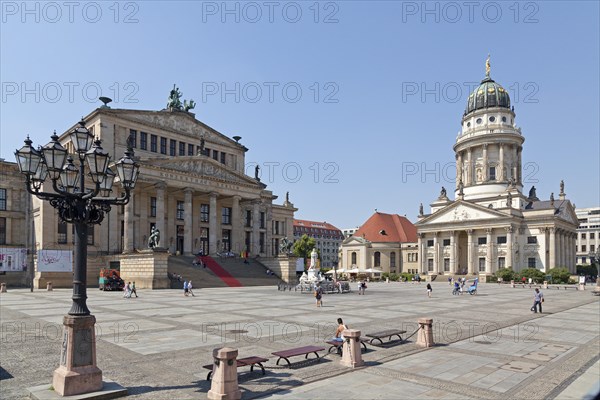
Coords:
538,299
190,288
133,291
319,295
127,290
185,288
429,290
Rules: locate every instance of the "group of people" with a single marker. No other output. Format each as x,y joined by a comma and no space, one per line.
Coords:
129,290
362,286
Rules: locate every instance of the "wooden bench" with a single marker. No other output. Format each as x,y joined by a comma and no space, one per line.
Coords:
298,351
338,345
596,292
388,333
242,362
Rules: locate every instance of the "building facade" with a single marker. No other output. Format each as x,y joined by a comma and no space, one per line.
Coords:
192,187
349,232
385,243
588,234
327,238
491,224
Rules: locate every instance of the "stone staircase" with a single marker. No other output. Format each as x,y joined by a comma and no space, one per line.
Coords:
252,274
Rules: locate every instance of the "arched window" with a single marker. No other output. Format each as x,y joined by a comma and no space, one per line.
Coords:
353,258
377,259
393,259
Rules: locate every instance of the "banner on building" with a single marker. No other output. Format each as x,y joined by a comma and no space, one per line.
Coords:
13,259
300,265
55,261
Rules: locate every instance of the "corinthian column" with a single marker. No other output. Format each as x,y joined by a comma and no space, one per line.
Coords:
128,244
187,221
212,223
489,255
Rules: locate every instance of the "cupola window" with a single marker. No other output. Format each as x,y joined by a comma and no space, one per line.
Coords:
478,120
492,119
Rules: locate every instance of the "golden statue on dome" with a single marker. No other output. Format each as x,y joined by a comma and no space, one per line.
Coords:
487,66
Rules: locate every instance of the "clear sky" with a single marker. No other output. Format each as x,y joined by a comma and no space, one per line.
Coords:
348,105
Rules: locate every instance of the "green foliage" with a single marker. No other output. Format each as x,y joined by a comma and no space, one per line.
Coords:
559,275
394,277
535,274
406,277
507,274
586,270
303,247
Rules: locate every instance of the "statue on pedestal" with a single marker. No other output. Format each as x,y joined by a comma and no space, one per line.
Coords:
154,239
313,259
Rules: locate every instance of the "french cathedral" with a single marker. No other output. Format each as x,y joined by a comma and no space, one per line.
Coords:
492,223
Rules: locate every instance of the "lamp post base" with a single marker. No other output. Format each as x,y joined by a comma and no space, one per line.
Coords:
78,373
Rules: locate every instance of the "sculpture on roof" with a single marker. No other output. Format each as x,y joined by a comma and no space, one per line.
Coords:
562,187
421,209
287,197
201,151
509,200
256,170
532,194
552,199
443,193
174,101
461,186
487,66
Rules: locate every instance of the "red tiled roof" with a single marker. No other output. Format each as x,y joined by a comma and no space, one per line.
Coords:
396,228
314,224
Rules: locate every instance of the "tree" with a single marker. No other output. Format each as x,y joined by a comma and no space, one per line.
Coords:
303,247
559,275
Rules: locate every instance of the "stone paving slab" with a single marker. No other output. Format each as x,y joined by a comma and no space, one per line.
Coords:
156,344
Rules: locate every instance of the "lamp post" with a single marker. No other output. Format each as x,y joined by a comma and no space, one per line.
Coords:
81,206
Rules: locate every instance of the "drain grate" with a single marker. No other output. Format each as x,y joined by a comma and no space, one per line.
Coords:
236,331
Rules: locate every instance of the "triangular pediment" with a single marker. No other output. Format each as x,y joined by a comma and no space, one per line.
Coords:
567,213
461,211
354,240
179,122
204,167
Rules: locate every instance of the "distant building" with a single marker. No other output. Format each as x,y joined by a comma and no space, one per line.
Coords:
327,237
588,234
349,232
386,242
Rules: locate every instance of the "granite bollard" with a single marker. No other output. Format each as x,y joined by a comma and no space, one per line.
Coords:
425,335
2,287
224,383
49,286
351,355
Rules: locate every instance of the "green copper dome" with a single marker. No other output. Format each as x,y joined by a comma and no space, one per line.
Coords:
488,94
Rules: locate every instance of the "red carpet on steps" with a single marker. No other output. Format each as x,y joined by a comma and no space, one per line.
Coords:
221,272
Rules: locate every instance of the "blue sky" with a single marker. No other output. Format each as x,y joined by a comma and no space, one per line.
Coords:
348,105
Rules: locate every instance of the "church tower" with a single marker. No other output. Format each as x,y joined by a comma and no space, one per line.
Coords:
488,148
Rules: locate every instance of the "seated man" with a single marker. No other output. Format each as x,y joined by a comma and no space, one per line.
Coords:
338,332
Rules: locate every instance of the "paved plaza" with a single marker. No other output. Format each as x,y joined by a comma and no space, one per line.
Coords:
489,346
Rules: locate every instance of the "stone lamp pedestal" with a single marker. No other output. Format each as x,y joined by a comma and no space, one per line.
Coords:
78,372
351,355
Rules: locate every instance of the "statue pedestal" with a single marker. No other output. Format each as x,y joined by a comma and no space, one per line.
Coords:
313,275
148,268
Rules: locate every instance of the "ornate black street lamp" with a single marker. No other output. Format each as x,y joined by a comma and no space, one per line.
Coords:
81,205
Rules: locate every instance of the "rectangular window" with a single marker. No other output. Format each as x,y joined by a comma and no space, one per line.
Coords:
248,241
583,236
181,148
276,227
190,149
501,240
248,218
430,264
133,138
481,264
492,173
204,212
173,147
143,141
592,248
153,143
163,145
2,199
262,220
2,230
153,206
223,155
592,235
261,242
207,152
430,243
531,239
531,262
446,265
501,262
482,240
446,242
215,155
180,210
583,248
226,216
62,232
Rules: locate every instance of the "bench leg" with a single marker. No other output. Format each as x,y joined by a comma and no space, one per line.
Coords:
380,341
208,376
318,357
364,345
288,361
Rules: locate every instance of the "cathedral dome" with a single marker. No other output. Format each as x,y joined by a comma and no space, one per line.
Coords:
488,94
